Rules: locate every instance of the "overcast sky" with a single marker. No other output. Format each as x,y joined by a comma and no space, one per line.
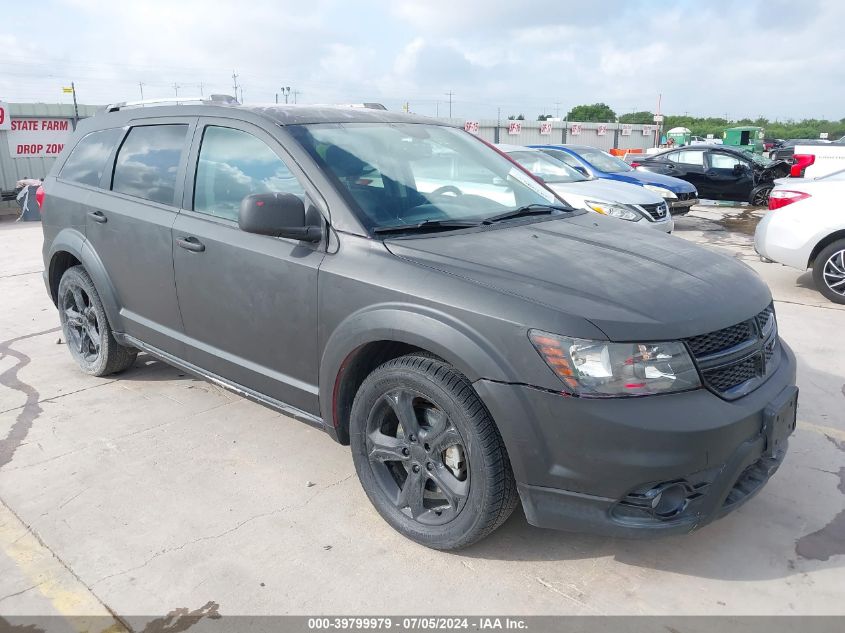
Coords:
778,58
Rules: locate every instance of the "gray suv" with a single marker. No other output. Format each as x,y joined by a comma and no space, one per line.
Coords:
411,291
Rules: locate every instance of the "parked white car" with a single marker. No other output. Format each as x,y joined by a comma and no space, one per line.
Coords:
814,161
805,228
617,199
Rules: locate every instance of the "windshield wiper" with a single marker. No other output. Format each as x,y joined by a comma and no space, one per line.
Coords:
426,225
528,209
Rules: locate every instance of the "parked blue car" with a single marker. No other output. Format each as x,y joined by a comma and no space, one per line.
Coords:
595,163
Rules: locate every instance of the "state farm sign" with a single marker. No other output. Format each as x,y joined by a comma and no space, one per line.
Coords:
38,137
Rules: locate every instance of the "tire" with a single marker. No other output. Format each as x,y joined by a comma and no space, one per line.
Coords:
86,328
829,271
441,476
759,196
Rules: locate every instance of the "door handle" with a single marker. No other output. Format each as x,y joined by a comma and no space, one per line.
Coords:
98,216
191,244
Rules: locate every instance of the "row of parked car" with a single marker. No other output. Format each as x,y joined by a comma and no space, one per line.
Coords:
808,230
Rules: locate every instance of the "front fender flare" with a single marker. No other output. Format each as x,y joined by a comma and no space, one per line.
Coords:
434,331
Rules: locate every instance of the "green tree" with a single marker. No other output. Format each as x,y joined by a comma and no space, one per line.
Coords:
544,117
637,117
516,117
595,113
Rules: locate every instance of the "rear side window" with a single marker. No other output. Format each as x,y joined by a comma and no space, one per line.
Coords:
87,161
148,162
687,157
234,164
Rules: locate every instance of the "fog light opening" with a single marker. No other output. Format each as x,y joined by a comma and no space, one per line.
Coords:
669,501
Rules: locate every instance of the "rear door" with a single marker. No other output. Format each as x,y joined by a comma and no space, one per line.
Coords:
688,164
728,176
248,302
129,227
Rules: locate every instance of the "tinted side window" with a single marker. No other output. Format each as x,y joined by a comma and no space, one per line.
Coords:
148,162
234,164
87,161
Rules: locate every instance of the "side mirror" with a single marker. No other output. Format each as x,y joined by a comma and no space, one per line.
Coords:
739,168
277,215
582,170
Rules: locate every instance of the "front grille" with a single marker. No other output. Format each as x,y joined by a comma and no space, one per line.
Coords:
724,378
720,340
657,211
685,196
737,359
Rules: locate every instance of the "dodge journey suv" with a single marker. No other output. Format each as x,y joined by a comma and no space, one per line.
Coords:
413,292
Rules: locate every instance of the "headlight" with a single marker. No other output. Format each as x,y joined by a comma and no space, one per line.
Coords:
663,192
614,209
602,368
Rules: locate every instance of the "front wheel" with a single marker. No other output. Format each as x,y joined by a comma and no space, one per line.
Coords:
760,195
829,271
428,454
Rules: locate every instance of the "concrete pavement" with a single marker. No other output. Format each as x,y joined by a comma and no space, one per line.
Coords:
153,491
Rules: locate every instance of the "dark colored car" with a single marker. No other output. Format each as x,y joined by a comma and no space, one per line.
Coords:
786,150
718,172
595,163
411,291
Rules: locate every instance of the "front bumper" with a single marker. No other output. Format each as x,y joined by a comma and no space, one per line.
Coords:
581,464
681,207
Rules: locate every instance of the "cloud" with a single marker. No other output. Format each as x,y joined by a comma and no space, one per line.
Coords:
775,57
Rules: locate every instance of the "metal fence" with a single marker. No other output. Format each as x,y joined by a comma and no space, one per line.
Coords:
604,136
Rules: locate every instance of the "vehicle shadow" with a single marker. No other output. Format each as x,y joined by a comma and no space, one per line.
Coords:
805,280
147,368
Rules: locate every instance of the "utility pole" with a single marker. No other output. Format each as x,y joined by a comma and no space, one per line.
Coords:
286,92
242,93
176,88
450,94
277,98
235,84
201,92
141,87
296,92
557,109
437,109
75,107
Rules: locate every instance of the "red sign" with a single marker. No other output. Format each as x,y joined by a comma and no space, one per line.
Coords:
546,128
5,118
37,137
575,129
514,127
471,127
626,129
602,130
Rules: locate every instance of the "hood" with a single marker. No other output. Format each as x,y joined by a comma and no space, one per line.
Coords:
603,190
675,185
633,284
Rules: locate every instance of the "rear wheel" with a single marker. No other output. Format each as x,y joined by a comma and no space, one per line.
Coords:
428,454
829,271
86,328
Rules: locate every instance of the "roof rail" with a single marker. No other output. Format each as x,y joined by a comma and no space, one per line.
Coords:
212,99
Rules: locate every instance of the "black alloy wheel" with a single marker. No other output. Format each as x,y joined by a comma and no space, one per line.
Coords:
418,457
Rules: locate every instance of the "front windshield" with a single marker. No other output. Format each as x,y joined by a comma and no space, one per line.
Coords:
604,161
549,169
395,174
761,160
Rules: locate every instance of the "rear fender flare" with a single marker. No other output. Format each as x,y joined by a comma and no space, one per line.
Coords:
71,241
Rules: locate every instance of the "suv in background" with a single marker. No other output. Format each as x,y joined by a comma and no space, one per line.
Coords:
477,344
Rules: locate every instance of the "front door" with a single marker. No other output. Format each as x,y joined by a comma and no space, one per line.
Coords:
248,302
129,228
728,176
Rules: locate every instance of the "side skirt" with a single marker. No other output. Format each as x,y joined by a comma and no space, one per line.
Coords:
245,392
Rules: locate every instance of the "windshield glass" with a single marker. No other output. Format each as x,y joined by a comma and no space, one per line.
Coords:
403,173
761,160
548,168
604,161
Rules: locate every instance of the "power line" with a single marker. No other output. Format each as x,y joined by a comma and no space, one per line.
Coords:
449,94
